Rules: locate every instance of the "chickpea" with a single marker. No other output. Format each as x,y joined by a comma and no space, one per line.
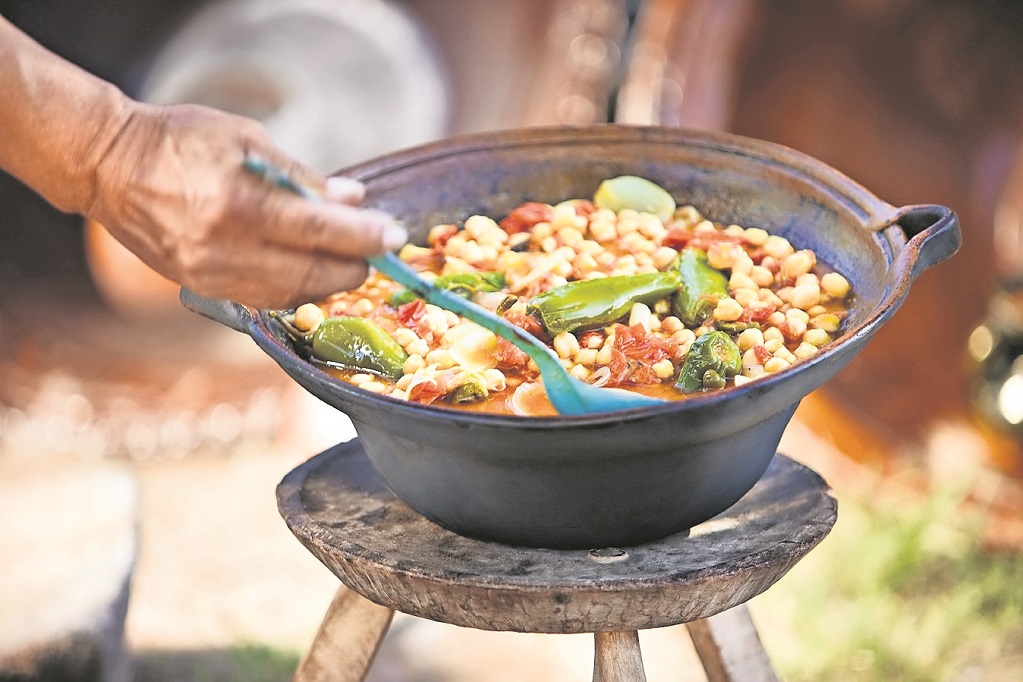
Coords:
308,316
835,285
728,310
798,263
566,345
817,337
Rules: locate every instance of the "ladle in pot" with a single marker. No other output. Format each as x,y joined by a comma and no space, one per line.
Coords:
568,395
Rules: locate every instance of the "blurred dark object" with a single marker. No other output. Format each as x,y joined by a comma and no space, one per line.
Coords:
918,101
996,345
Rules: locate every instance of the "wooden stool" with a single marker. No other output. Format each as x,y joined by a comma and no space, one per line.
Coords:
389,558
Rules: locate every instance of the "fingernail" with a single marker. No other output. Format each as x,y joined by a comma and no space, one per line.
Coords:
394,237
345,189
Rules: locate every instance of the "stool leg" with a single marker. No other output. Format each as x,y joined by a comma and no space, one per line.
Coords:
347,640
616,657
730,648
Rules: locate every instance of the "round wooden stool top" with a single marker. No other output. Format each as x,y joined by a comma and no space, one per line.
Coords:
341,510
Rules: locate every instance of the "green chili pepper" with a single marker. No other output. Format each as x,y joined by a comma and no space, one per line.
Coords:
702,286
639,194
357,343
464,284
471,391
590,303
712,358
733,328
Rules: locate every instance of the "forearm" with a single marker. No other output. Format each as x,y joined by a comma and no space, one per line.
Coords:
56,121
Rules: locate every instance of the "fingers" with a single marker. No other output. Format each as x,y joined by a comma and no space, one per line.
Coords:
329,227
344,190
280,278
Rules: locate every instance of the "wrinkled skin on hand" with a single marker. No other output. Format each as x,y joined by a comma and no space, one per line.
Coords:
171,188
168,183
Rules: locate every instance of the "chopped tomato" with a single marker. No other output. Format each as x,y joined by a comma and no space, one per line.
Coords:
526,216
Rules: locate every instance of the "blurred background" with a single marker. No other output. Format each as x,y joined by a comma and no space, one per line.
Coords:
126,422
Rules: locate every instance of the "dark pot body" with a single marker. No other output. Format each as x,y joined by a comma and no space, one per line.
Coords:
628,477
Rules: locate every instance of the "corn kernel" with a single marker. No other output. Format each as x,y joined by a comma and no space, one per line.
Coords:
664,256
494,379
362,307
727,310
603,230
829,322
785,354
805,296
798,263
542,230
721,255
684,337
570,236
817,337
749,338
740,281
579,372
835,285
688,215
762,276
807,279
375,386
753,372
476,225
777,247
671,324
308,316
626,225
805,350
705,227
413,363
735,231
651,226
440,357
664,369
584,263
746,297
756,236
750,359
418,347
566,345
797,314
742,263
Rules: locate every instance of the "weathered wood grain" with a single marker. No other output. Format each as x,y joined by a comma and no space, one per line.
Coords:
344,514
347,641
729,648
617,658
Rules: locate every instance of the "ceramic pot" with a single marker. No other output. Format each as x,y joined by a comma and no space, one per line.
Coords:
623,478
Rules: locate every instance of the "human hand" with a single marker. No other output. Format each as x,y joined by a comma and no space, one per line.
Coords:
172,189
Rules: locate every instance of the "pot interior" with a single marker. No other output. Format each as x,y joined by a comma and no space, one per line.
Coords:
729,179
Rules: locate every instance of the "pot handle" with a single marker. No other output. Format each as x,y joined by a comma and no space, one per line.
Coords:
228,313
929,232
